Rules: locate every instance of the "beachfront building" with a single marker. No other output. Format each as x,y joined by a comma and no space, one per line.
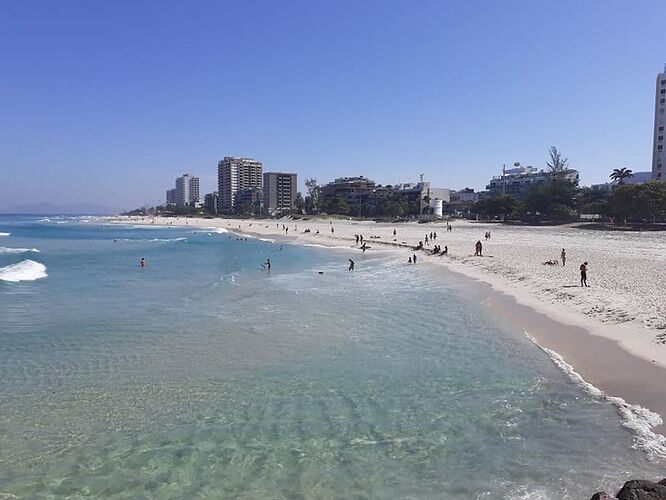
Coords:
519,181
210,202
238,180
187,190
658,153
354,191
279,192
461,202
421,193
636,178
171,196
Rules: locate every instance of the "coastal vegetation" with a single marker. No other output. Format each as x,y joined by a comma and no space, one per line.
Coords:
561,201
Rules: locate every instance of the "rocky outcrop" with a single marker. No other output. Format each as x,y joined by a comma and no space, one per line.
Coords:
602,495
637,489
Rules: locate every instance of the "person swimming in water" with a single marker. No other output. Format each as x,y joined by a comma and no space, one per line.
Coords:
267,265
142,263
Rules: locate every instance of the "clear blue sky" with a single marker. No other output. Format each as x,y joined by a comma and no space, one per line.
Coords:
107,101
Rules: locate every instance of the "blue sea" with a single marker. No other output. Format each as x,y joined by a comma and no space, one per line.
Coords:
203,375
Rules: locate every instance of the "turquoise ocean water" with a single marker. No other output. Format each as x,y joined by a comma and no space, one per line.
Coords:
205,376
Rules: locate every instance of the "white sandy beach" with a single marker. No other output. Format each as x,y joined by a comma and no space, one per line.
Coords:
624,303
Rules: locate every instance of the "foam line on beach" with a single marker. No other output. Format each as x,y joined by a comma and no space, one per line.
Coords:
7,250
26,270
638,419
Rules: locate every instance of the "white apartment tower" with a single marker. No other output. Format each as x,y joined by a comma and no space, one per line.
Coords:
658,153
237,178
187,190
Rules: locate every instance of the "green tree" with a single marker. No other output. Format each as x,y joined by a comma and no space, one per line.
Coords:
555,200
620,174
639,202
337,206
299,203
314,192
498,206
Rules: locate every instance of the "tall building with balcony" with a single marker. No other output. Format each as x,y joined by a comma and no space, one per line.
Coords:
187,190
238,180
279,192
658,153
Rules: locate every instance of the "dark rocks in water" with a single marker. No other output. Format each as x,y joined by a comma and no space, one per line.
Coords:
602,495
637,489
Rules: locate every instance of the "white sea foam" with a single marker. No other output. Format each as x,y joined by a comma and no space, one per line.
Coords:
640,420
5,234
6,250
168,239
26,270
210,230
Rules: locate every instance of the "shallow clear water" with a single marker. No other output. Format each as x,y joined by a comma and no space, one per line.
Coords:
204,375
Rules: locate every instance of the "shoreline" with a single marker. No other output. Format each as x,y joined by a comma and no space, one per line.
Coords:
619,359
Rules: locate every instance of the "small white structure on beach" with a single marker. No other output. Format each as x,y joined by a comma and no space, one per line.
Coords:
436,205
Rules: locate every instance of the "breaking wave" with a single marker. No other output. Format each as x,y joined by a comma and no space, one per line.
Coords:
6,250
168,239
635,417
5,234
26,270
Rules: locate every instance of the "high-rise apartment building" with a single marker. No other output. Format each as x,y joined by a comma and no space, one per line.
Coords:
237,178
171,196
279,192
210,202
194,191
658,154
187,190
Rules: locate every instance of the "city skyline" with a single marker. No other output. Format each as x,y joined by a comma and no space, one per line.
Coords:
381,90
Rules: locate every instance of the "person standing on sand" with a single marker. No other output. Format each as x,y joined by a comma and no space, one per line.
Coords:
394,232
563,256
479,249
414,258
583,274
332,230
351,265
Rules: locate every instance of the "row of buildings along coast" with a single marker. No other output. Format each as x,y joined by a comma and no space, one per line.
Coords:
243,187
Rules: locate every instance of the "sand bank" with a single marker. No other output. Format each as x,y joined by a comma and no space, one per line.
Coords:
623,309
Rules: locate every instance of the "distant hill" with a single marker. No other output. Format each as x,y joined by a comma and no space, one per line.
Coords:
57,209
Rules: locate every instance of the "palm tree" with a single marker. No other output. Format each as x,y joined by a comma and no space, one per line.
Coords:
620,174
